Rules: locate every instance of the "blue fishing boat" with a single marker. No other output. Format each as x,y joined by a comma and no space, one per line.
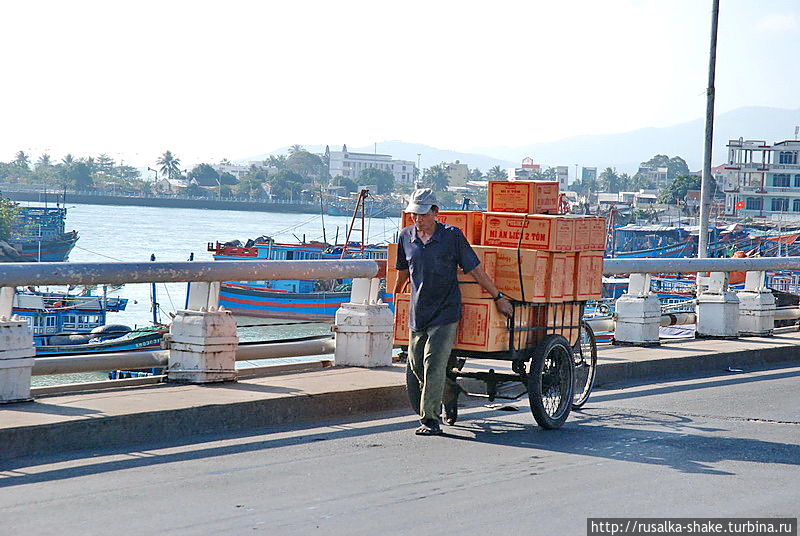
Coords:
63,323
290,299
38,235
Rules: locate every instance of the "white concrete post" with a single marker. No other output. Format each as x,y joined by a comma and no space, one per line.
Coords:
756,306
364,328
203,295
202,346
638,313
717,308
16,360
7,301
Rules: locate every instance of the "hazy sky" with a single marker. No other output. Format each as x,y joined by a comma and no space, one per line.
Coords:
210,80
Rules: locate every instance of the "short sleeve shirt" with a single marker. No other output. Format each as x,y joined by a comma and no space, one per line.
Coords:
435,297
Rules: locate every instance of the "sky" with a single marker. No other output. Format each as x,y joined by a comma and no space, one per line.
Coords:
212,80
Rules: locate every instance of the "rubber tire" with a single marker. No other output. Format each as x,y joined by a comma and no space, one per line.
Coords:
550,347
582,392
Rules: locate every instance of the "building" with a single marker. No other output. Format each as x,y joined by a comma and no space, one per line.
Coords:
350,165
562,174
527,172
763,180
657,175
588,174
457,173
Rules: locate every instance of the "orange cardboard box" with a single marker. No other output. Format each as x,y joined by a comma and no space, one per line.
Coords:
589,275
526,197
468,286
590,233
401,304
539,231
564,319
484,329
469,221
524,269
391,271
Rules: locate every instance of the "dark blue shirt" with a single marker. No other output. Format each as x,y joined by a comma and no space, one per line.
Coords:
435,297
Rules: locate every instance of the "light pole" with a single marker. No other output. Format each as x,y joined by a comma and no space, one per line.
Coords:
419,171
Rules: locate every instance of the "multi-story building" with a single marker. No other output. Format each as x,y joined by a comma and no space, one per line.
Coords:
457,173
763,180
350,165
562,174
657,175
588,174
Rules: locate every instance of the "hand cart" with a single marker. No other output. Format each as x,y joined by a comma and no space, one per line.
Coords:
541,339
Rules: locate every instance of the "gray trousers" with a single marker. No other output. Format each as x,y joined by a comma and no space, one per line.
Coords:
426,373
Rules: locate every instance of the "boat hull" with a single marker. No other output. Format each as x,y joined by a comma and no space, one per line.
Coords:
320,306
54,250
150,340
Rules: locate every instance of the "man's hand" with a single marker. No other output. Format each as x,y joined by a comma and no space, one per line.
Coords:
504,306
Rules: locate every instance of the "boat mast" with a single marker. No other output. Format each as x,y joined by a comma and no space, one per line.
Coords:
359,207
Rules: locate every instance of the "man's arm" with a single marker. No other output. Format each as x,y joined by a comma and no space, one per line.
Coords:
503,304
400,282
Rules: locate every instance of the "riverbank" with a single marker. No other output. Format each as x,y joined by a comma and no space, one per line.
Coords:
165,202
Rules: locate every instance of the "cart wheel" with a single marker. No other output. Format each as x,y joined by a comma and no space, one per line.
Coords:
585,353
551,382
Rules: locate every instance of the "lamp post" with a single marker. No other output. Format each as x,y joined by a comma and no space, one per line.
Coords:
419,171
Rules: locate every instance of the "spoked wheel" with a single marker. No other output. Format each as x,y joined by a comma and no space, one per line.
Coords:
585,353
551,382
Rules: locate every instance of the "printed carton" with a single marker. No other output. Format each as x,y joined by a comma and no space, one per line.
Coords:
526,197
528,231
469,221
401,304
589,275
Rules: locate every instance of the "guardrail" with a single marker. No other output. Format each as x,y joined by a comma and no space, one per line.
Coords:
202,345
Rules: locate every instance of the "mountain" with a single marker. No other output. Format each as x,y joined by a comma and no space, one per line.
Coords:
623,151
429,156
626,150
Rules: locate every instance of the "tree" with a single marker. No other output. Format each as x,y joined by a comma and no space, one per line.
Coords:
296,149
548,174
437,177
382,179
307,165
676,190
251,185
497,173
170,165
44,161
227,178
476,174
9,212
79,176
286,184
278,162
204,175
194,190
609,180
349,184
68,160
675,165
22,160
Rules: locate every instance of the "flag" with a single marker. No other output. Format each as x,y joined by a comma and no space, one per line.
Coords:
740,204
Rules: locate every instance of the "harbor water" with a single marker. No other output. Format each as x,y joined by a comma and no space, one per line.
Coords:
133,234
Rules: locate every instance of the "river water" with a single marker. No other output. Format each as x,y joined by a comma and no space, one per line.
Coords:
133,234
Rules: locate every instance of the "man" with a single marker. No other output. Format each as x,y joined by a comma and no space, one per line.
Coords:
429,253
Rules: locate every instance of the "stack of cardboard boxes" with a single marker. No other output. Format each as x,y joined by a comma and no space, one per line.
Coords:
533,255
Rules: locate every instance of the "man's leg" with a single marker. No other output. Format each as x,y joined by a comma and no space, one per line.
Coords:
436,354
415,372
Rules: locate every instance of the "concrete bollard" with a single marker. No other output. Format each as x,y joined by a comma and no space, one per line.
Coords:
363,331
756,306
638,313
16,360
717,308
202,347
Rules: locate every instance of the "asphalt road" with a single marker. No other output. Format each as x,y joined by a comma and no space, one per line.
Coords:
717,446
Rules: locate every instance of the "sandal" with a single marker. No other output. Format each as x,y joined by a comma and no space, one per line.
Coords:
429,430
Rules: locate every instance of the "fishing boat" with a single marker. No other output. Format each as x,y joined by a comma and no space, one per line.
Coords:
38,235
64,323
299,299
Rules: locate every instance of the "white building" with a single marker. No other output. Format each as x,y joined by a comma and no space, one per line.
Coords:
763,179
350,165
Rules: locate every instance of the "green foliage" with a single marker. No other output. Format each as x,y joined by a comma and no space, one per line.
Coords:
675,165
22,161
609,180
9,212
204,175
497,173
170,165
309,166
227,178
195,191
251,185
349,184
476,175
448,199
548,174
382,179
678,187
437,177
79,176
286,185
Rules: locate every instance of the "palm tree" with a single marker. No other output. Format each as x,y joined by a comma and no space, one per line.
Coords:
22,160
609,180
497,174
296,149
68,160
170,165
44,161
437,177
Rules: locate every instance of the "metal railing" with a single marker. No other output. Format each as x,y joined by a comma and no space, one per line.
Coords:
668,266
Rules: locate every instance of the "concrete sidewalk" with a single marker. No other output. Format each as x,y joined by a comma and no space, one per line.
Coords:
128,415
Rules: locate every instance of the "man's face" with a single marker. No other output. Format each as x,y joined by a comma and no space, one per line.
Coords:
426,222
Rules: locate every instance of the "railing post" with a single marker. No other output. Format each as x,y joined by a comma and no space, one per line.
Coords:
364,328
202,346
717,308
638,313
756,306
16,360
203,295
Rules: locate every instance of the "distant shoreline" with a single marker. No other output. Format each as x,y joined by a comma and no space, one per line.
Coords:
165,202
